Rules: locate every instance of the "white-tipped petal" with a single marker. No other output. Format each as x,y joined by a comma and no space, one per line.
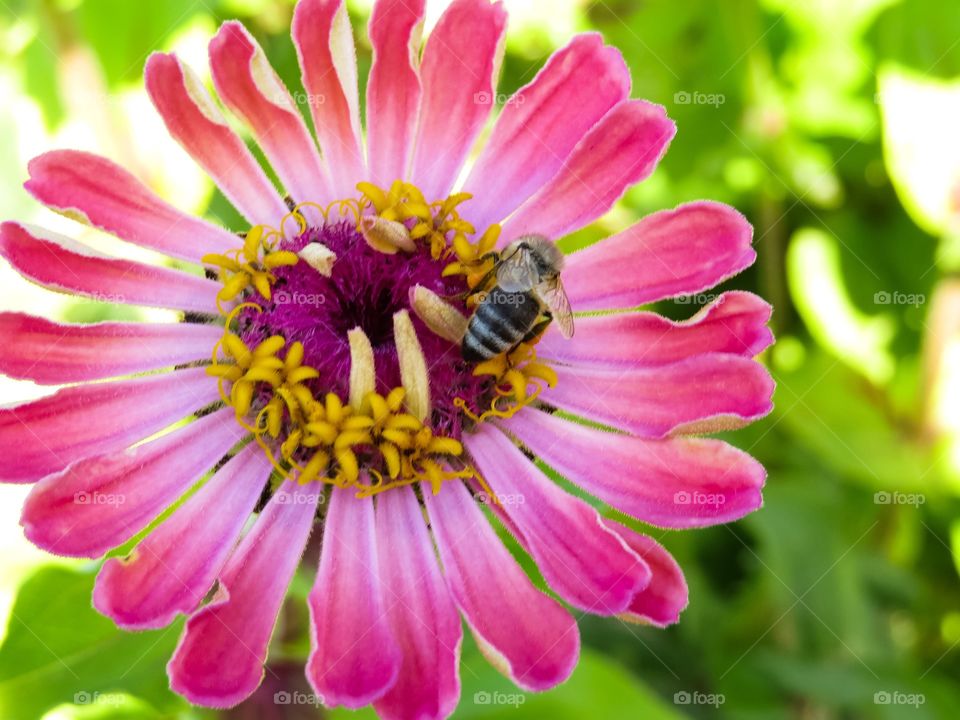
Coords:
387,236
438,315
413,366
363,371
319,257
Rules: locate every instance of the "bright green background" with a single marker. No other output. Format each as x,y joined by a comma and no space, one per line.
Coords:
805,609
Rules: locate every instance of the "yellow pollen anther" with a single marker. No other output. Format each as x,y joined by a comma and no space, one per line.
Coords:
513,374
319,257
413,365
438,315
313,435
474,260
387,236
437,223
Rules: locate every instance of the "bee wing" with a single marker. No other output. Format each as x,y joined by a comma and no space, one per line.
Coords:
518,271
555,297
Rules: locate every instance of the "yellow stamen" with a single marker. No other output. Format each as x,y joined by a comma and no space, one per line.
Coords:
319,257
438,315
413,365
513,374
318,436
387,236
363,372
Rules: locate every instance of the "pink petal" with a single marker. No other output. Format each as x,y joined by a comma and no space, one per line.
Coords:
46,261
102,194
618,152
703,394
421,612
48,434
734,323
526,634
52,353
195,121
585,563
355,657
100,502
668,253
174,567
460,63
665,597
675,482
328,62
541,124
393,89
250,87
219,661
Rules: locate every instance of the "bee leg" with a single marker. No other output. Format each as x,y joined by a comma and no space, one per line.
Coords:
478,288
537,330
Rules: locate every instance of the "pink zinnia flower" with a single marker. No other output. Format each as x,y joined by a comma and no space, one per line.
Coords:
318,364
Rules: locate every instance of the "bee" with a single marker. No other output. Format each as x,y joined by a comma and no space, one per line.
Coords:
526,296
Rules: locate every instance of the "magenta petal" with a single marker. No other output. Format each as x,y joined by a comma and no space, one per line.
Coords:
100,502
527,635
328,63
355,657
219,661
460,61
671,252
585,563
618,152
393,88
421,611
174,567
250,87
665,597
53,353
102,194
47,261
48,434
541,124
195,121
675,482
706,393
735,323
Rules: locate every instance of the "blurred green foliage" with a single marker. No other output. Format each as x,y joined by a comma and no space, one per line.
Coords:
824,603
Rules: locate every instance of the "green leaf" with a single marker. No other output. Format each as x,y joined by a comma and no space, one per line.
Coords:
58,649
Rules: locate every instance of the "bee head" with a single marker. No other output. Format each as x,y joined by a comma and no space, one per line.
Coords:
548,257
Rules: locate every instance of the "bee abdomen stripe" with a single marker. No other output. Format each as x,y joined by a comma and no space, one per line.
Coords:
472,343
491,334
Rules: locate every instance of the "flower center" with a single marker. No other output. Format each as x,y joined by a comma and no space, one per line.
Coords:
341,349
365,290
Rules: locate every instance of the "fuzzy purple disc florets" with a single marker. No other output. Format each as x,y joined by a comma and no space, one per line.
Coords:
365,289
